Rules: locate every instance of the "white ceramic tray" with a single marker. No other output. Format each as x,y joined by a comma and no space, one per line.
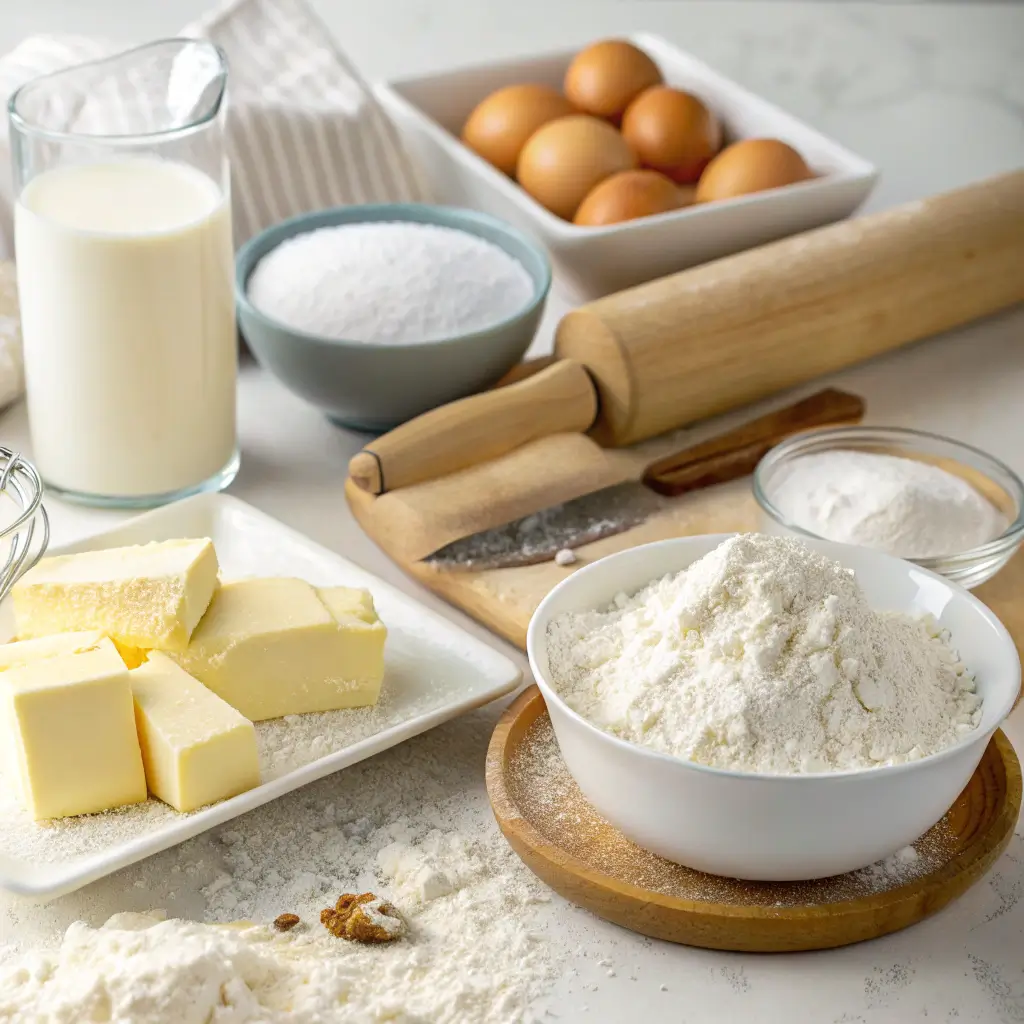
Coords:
431,109
434,672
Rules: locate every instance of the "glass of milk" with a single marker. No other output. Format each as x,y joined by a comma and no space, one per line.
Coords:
125,275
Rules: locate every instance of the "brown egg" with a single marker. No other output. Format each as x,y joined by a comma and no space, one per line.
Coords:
628,195
604,78
562,161
500,124
672,132
751,165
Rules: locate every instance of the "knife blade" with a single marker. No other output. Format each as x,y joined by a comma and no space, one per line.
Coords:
612,510
538,537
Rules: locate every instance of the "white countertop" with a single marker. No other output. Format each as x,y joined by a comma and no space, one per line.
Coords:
932,93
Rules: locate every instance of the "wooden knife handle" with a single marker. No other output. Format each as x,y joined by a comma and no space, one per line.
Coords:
559,399
737,452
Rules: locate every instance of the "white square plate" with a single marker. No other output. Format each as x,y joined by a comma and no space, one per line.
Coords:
434,672
431,109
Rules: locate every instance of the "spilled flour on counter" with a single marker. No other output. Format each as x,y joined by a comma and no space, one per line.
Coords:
469,957
764,656
477,950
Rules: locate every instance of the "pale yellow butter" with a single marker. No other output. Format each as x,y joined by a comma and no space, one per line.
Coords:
274,647
196,748
24,652
148,596
70,729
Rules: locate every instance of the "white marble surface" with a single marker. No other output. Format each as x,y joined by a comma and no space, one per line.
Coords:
933,93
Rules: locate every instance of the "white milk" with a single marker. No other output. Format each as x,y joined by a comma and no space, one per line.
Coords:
127,310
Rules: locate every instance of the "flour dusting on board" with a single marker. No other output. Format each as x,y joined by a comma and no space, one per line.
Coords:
541,786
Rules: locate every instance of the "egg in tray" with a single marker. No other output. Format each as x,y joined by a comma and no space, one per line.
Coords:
617,143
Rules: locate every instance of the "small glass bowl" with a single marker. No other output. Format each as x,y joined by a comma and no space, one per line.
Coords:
992,478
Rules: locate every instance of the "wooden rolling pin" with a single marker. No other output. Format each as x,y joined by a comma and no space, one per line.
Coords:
728,333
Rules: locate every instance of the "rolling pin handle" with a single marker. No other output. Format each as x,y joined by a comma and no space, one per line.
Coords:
366,471
560,399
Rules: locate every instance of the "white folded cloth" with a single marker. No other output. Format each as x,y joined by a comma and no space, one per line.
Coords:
304,131
12,381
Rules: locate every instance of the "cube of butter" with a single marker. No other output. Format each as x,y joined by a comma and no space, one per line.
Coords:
148,596
274,647
70,726
23,652
196,748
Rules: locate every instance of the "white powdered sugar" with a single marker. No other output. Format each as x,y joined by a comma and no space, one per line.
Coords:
477,950
764,656
389,283
908,508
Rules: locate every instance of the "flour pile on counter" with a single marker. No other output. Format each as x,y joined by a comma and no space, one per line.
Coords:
471,954
389,283
908,508
764,656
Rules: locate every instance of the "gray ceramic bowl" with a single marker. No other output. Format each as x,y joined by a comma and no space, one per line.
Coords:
376,387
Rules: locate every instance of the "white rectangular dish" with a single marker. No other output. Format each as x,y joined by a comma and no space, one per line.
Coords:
431,109
434,671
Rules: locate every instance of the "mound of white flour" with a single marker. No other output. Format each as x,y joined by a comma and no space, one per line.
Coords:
472,955
764,656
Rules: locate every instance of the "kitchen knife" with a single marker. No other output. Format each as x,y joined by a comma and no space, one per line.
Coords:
538,537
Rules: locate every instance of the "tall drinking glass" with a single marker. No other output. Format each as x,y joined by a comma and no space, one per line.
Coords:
124,258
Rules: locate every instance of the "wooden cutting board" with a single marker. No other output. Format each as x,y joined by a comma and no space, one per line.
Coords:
504,599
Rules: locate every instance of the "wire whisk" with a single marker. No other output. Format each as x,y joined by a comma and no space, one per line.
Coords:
28,536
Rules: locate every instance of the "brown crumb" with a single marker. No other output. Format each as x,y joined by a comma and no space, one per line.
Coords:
286,922
363,918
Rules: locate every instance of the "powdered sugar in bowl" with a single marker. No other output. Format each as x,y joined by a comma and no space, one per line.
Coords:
941,504
375,314
776,824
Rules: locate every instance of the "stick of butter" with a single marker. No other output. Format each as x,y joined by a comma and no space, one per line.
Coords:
196,748
274,647
69,725
148,596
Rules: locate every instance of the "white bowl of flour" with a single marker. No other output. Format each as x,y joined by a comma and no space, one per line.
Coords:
767,713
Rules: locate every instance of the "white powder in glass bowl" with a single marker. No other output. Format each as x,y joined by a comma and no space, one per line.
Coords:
901,506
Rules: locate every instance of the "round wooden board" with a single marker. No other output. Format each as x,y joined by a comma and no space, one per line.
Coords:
562,840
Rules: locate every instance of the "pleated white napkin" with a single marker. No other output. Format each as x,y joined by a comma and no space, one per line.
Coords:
304,131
